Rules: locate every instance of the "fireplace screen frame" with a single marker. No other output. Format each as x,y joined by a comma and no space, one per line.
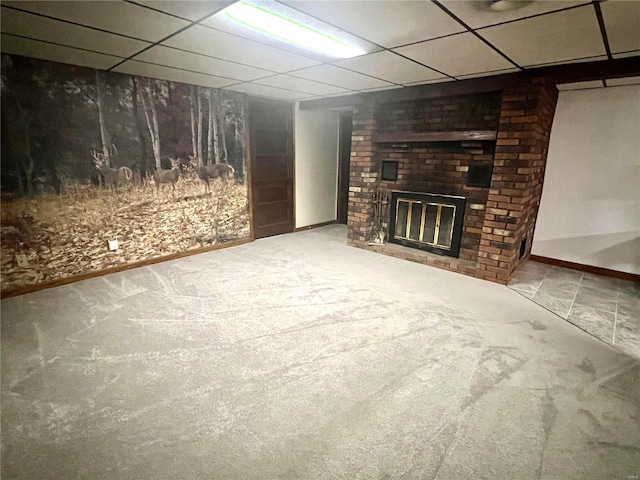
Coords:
458,203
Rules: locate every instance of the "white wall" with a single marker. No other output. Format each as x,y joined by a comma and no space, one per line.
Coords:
590,206
316,166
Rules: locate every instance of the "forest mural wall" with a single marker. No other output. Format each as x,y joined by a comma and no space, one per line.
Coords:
91,156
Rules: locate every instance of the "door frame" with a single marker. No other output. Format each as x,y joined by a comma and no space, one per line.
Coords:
341,177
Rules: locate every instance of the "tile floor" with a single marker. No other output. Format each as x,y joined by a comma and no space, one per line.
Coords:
605,307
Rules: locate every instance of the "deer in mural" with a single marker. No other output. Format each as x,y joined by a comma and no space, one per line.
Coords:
167,176
223,171
112,176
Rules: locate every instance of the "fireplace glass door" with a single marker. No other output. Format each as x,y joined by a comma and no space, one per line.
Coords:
425,222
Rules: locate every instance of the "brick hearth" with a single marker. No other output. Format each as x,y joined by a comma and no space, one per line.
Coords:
497,219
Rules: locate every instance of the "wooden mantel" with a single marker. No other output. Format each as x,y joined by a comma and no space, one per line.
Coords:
417,137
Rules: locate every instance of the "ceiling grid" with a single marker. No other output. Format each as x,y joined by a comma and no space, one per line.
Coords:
405,43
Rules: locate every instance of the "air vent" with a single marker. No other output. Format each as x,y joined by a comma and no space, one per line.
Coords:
523,247
389,171
479,175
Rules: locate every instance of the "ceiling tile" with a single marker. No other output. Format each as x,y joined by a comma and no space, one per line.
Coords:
556,37
141,69
56,53
622,22
389,66
339,77
387,23
199,63
580,85
265,91
49,30
488,74
301,85
476,13
379,89
461,54
632,53
224,23
118,17
222,45
616,82
428,82
191,10
315,97
575,60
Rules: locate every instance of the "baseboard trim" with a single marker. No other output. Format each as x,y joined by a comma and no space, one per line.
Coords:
14,292
316,225
586,268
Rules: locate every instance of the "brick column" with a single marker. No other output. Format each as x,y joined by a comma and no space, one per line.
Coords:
516,184
363,176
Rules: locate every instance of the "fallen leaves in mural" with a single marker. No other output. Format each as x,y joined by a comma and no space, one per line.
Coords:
49,237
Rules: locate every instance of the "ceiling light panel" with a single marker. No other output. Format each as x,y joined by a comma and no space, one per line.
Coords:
557,37
191,10
387,23
55,31
225,46
276,24
390,66
141,69
269,92
301,85
56,53
461,54
199,63
118,17
622,21
340,77
476,13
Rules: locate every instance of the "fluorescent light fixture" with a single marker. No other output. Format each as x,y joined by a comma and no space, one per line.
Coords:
289,29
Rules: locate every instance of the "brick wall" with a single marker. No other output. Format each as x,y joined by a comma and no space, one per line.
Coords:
516,185
496,219
363,175
469,112
438,168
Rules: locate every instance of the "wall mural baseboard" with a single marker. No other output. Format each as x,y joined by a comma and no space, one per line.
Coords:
101,170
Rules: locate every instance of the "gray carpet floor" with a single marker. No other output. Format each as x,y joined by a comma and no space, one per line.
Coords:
298,357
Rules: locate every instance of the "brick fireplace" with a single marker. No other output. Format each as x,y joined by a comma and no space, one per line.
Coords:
488,149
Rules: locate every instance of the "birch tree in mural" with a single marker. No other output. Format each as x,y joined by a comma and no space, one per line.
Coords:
152,92
235,117
192,112
142,163
104,134
200,115
212,144
221,117
206,103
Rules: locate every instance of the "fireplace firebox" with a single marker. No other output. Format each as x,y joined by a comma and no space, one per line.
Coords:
428,222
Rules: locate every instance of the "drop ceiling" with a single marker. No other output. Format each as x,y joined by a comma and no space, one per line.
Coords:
406,42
